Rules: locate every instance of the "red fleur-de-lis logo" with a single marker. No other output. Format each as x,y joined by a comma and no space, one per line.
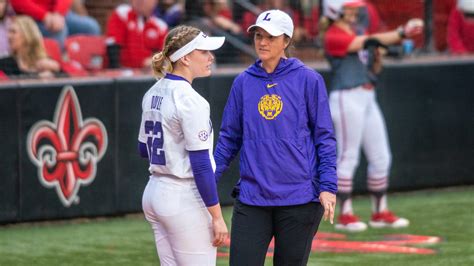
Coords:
67,150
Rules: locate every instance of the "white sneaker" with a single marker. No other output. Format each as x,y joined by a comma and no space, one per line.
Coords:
350,223
387,219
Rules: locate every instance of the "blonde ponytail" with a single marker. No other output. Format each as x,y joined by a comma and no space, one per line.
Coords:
176,38
161,64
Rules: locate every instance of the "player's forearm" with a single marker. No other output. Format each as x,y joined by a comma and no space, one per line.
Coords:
390,37
412,28
387,38
215,211
204,176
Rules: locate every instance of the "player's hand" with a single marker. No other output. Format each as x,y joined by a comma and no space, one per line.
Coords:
48,21
54,22
220,231
328,201
413,27
47,64
46,75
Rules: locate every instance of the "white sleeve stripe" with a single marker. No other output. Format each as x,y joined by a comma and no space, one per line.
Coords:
122,11
204,146
160,23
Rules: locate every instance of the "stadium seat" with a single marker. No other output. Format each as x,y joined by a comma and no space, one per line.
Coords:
52,49
74,69
88,50
3,76
70,67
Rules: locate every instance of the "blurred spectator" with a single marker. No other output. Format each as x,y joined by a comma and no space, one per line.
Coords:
461,28
210,15
220,14
215,18
310,20
370,19
299,34
79,8
5,14
78,20
55,18
441,11
221,8
28,55
170,11
136,33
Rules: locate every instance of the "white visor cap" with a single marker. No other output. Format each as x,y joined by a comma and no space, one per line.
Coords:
275,22
200,42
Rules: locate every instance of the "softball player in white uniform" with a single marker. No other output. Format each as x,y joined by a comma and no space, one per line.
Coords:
356,115
180,200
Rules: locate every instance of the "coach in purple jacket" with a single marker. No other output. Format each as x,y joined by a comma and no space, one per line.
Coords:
277,116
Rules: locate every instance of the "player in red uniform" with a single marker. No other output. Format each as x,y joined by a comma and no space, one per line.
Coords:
355,112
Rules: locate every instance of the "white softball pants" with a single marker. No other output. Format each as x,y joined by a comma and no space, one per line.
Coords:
180,221
358,122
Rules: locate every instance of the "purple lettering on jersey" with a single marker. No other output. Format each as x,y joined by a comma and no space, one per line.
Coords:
156,102
155,142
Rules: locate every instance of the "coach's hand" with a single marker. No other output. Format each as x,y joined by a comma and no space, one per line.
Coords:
328,200
220,231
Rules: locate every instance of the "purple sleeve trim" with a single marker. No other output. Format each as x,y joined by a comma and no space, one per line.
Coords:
204,176
142,149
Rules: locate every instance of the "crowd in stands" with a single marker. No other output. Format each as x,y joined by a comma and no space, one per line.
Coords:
47,38
136,21
28,56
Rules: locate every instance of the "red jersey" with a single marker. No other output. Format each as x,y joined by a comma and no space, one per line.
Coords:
460,33
138,37
225,12
38,8
337,41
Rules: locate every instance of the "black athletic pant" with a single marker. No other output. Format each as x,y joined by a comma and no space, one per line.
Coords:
292,226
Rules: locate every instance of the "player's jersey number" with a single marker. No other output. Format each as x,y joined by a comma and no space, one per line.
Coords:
154,142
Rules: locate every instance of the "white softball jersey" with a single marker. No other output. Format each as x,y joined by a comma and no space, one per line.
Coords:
175,120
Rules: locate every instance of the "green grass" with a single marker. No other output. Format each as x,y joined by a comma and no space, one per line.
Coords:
448,213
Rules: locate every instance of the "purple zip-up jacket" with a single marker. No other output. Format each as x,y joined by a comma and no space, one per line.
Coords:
281,124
